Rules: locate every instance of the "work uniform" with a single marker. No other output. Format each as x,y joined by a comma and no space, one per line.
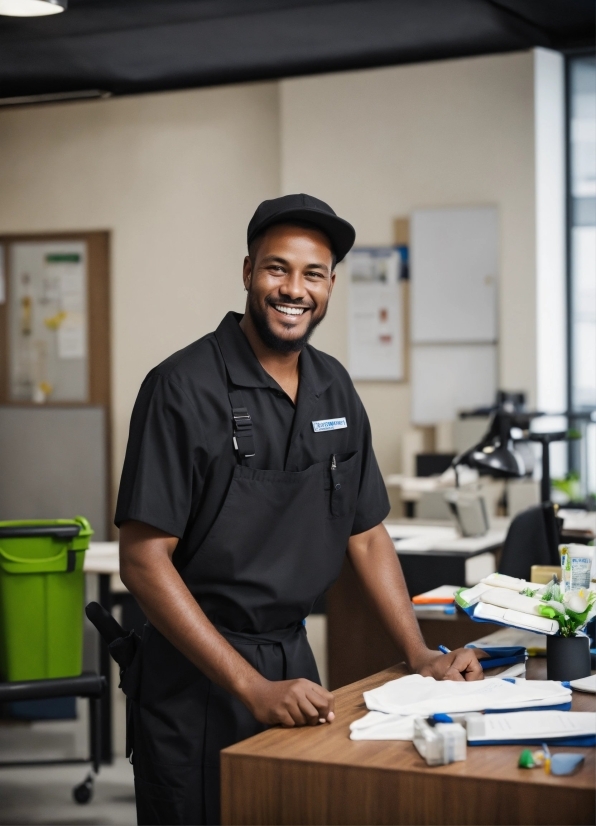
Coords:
264,495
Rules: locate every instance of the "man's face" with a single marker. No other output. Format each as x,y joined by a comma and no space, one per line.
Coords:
289,283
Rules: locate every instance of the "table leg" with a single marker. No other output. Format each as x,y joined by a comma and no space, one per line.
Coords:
105,669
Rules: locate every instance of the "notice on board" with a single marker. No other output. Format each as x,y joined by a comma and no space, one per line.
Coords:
375,323
64,283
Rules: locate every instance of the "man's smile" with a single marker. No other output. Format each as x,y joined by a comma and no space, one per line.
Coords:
289,310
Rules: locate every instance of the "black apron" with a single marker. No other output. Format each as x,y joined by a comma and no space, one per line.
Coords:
277,544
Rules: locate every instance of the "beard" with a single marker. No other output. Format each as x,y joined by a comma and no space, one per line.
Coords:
269,338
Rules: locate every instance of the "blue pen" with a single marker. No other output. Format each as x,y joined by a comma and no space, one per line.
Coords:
444,650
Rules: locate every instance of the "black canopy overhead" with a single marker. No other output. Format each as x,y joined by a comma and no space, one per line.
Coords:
132,46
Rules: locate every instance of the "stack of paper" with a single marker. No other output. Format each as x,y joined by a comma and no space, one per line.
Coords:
393,706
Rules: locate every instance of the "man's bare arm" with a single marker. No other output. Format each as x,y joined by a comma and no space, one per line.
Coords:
147,570
374,559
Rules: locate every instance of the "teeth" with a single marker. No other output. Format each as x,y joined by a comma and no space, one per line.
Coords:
289,310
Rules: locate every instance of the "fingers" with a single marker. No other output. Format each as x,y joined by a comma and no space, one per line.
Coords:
323,700
474,671
453,674
302,703
310,714
464,666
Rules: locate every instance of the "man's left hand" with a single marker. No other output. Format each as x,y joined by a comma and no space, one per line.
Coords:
460,664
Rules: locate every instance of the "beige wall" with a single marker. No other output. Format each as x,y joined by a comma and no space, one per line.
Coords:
176,176
377,144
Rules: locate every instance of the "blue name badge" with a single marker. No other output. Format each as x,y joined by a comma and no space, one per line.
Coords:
329,424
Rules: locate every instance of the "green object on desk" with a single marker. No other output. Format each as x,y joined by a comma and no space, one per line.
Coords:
41,597
526,760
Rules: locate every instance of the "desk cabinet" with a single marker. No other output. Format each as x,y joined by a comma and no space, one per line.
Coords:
357,643
319,776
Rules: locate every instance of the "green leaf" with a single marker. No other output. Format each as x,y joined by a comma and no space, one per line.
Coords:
547,611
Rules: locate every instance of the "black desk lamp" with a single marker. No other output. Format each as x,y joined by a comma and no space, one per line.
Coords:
495,453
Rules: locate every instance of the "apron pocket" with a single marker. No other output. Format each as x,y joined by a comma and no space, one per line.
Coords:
158,805
344,484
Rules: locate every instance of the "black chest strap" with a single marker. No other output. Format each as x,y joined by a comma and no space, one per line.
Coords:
244,442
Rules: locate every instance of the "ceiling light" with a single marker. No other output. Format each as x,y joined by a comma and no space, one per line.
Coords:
31,8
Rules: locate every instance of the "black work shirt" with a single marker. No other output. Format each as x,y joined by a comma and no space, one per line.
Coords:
180,456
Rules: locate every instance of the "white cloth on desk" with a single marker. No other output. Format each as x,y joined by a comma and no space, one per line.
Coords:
420,695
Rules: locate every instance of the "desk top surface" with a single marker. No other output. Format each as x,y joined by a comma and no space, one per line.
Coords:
330,744
412,536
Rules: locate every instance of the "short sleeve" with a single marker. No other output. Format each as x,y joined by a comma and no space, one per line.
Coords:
157,478
373,503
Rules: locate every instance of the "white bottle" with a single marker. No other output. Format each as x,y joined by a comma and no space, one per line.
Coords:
576,566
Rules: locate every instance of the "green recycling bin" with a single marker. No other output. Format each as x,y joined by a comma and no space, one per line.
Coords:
42,591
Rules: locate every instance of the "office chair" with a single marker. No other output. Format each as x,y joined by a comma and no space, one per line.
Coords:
532,539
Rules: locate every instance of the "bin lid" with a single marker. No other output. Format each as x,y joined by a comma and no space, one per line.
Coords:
17,530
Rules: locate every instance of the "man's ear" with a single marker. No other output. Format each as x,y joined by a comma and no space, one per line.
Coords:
246,272
332,282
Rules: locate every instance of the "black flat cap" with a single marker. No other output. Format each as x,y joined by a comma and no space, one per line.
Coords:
302,207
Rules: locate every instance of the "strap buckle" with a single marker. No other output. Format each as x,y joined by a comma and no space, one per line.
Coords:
243,438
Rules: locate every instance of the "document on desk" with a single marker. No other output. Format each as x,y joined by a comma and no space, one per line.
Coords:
420,695
527,727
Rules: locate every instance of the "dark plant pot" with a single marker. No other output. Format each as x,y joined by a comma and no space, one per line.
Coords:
567,658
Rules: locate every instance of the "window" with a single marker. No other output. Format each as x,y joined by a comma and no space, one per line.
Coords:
581,97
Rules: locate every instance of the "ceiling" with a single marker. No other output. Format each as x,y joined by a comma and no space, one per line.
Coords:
133,46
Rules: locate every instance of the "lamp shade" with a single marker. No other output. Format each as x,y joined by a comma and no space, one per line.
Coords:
495,453
31,8
498,460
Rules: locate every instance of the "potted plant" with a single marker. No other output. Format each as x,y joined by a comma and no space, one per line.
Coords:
568,652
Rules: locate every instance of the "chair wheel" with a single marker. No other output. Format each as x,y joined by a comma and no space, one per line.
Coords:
84,791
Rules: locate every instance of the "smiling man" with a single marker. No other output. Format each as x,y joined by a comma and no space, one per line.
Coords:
249,475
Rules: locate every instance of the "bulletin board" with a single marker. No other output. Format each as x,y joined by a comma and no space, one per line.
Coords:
376,334
54,319
48,322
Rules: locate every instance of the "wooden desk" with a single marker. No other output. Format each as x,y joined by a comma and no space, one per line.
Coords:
319,776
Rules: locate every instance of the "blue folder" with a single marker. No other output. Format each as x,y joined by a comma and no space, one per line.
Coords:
501,655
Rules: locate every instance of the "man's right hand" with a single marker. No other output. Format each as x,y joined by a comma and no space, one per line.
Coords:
290,703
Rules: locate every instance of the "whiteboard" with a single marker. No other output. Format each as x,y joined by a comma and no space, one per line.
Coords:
454,274
447,378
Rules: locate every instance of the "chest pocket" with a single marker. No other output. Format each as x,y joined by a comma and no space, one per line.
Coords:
344,476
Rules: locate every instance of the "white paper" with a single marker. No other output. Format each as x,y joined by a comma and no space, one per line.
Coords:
71,339
532,725
375,321
64,282
585,684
